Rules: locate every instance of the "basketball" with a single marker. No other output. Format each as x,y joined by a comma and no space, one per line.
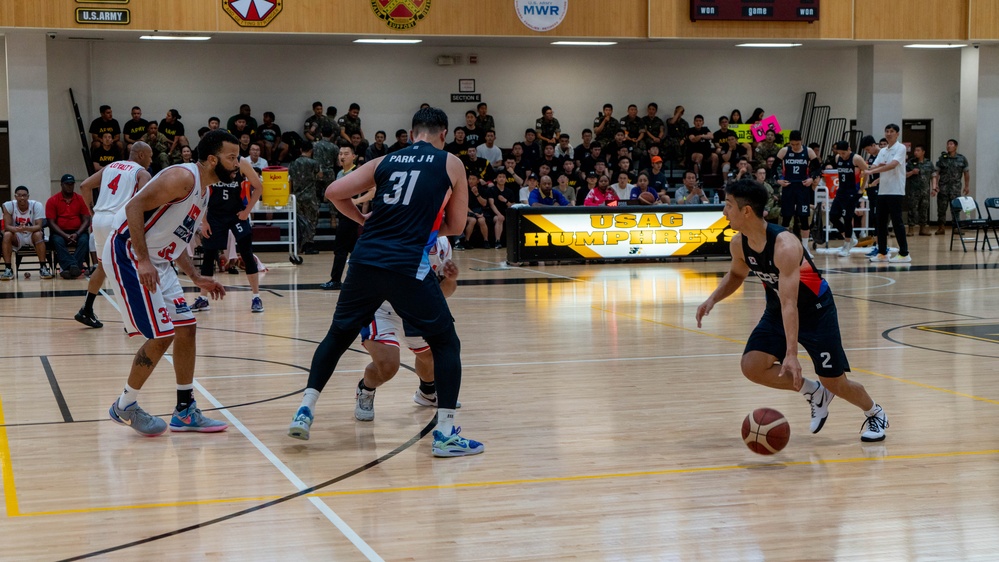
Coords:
647,197
765,431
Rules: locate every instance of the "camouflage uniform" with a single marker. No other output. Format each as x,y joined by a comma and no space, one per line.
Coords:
653,126
350,125
314,126
917,192
675,135
548,129
951,170
765,150
607,135
304,175
486,124
773,203
325,153
161,148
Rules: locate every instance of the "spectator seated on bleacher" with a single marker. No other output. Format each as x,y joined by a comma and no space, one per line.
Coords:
69,220
601,195
24,221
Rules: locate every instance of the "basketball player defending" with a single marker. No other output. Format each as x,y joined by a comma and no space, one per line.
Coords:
799,307
382,338
229,212
153,229
118,182
421,192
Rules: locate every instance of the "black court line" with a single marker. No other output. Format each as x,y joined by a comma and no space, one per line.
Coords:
416,438
840,296
67,417
887,334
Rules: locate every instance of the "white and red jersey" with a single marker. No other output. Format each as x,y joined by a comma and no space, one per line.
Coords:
169,228
118,184
25,218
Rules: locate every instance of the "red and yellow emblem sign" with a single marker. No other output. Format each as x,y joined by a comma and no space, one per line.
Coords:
401,14
252,13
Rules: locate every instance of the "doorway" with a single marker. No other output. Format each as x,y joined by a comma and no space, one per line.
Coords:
917,131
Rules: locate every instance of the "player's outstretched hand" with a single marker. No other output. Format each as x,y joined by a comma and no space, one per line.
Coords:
792,368
450,270
704,310
213,287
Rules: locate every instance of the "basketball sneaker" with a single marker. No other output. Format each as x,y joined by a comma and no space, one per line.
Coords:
364,410
873,252
819,401
257,305
8,274
88,319
880,258
191,419
45,272
455,445
135,417
429,400
844,252
874,426
898,258
201,304
299,428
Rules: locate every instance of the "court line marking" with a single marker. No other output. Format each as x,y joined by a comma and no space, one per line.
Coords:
326,510
7,470
545,480
946,333
56,391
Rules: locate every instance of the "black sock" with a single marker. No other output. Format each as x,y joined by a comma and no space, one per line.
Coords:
184,399
428,387
89,306
361,385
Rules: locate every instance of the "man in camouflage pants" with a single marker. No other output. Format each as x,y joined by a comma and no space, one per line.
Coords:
919,173
303,175
951,166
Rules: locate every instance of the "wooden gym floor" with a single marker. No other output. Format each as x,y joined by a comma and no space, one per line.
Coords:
611,426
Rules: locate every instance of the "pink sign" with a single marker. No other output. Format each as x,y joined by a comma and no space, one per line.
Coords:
768,124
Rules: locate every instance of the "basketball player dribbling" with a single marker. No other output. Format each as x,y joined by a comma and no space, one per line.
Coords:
118,182
421,192
799,308
383,336
151,230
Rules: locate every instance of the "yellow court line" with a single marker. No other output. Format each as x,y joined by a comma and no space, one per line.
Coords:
7,470
928,329
805,355
577,478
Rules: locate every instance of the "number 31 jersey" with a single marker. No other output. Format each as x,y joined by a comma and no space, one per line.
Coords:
412,187
117,186
170,227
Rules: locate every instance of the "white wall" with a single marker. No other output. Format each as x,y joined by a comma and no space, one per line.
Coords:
3,79
201,80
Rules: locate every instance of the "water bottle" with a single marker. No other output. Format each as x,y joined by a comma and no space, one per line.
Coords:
715,198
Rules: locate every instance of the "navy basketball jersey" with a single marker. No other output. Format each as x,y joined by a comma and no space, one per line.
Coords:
847,175
412,187
796,165
811,290
226,200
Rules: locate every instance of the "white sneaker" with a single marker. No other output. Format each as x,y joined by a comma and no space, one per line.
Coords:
844,252
874,426
364,410
429,400
819,402
898,258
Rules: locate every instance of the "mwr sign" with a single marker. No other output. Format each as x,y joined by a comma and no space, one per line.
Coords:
541,15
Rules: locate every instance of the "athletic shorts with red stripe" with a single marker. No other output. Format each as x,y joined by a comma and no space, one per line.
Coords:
153,315
386,328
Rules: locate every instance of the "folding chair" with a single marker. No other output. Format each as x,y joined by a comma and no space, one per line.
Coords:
963,226
993,222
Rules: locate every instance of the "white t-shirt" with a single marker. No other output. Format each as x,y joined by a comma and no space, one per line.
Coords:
623,193
892,181
493,154
260,163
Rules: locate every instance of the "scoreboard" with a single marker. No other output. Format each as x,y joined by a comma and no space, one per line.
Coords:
760,10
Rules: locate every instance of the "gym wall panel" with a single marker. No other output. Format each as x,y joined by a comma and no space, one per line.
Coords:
934,20
984,20
671,18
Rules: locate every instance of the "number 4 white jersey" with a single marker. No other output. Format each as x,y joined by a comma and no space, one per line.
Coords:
169,228
117,186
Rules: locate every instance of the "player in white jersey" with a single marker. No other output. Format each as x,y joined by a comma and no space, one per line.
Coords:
382,339
118,182
151,230
23,221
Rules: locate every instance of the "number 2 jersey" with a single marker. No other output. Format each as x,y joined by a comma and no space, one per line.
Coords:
170,227
813,291
412,187
117,186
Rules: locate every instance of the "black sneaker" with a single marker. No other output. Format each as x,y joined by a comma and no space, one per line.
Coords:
233,270
75,272
331,285
460,245
88,319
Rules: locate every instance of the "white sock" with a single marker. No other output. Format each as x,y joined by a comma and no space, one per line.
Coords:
874,409
809,386
256,295
128,396
309,399
445,421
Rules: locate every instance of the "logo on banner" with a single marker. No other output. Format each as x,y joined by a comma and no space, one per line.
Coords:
401,14
252,13
541,15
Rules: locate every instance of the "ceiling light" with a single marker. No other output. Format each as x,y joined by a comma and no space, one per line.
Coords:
770,45
585,43
175,37
933,46
389,41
